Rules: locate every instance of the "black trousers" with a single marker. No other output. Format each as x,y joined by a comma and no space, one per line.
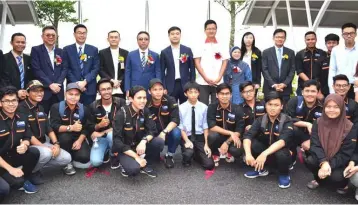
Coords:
336,180
4,188
47,104
200,156
280,160
178,92
28,161
299,137
66,141
215,141
207,91
152,152
87,99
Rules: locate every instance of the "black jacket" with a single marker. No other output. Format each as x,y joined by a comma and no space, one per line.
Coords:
130,128
256,65
324,75
343,156
251,114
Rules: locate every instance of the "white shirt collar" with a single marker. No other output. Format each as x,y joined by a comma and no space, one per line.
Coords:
78,46
50,51
140,50
276,48
173,48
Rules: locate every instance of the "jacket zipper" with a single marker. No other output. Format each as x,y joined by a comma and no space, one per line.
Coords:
159,117
271,133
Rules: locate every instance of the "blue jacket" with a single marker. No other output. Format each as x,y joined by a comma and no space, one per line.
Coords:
237,72
135,74
90,66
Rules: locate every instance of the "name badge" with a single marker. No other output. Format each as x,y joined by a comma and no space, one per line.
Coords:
122,65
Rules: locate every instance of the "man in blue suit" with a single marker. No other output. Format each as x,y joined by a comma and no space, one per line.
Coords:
142,64
47,66
177,64
82,63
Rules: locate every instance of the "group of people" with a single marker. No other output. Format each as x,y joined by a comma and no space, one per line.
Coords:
205,101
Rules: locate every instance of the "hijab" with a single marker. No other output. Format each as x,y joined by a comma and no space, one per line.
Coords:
232,60
331,132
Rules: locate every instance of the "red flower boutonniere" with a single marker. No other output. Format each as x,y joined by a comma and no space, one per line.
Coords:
183,58
150,59
217,56
236,69
58,60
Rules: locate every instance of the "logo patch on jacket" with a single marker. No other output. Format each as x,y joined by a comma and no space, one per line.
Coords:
231,116
317,114
164,108
41,114
260,107
20,124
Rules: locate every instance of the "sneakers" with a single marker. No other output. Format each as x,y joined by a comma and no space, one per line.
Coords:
254,174
69,170
115,162
216,159
123,172
148,171
284,181
229,158
292,165
169,161
29,188
36,178
106,158
312,184
356,195
342,191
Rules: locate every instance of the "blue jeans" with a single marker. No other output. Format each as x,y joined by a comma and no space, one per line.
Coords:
104,145
173,139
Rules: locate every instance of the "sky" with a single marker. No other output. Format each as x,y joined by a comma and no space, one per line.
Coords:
128,17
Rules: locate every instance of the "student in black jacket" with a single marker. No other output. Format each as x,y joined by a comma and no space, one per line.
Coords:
333,141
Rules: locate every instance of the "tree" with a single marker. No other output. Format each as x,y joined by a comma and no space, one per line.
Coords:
52,12
233,7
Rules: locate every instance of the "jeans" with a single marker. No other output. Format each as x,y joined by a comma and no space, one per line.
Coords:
46,159
104,145
354,180
173,140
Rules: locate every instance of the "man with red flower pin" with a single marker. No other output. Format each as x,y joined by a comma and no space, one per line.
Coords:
46,62
210,58
177,64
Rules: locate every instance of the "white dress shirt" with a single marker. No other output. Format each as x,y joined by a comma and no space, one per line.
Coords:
51,55
247,58
145,53
78,47
176,56
115,56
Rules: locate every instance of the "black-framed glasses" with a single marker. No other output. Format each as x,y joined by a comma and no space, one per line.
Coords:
9,102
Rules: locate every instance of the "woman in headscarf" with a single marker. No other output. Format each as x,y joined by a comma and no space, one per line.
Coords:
333,141
236,73
252,56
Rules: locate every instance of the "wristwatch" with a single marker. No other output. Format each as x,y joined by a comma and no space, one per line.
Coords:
68,128
165,132
228,142
56,143
146,139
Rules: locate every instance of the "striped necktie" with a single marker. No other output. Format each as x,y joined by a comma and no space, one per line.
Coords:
143,59
21,69
81,61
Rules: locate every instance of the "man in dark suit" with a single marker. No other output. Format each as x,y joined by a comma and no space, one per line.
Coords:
112,61
177,64
82,64
17,67
278,66
142,64
46,61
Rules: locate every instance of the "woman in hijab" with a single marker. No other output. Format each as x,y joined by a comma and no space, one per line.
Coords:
236,73
252,56
333,141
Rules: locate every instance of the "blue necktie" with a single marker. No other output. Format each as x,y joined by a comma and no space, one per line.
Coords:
81,61
21,69
279,60
143,59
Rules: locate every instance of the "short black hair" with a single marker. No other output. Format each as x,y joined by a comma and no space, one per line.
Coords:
191,85
223,86
7,90
310,82
114,31
349,25
245,84
141,32
210,22
104,80
79,26
279,30
340,77
173,28
17,34
331,37
48,28
310,33
273,95
135,89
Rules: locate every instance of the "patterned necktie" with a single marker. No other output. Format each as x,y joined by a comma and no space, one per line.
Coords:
81,61
21,69
143,59
279,60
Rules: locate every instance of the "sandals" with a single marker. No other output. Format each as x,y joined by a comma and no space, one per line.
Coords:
312,184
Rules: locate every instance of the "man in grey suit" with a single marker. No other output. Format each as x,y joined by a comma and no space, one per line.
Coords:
278,66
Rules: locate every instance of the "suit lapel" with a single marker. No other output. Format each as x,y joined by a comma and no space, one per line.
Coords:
57,67
74,55
171,57
274,55
13,62
47,57
137,56
109,58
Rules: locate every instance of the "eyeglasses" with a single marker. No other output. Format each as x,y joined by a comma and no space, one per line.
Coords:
143,39
227,94
81,33
341,85
8,102
106,89
249,92
50,35
349,34
211,29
